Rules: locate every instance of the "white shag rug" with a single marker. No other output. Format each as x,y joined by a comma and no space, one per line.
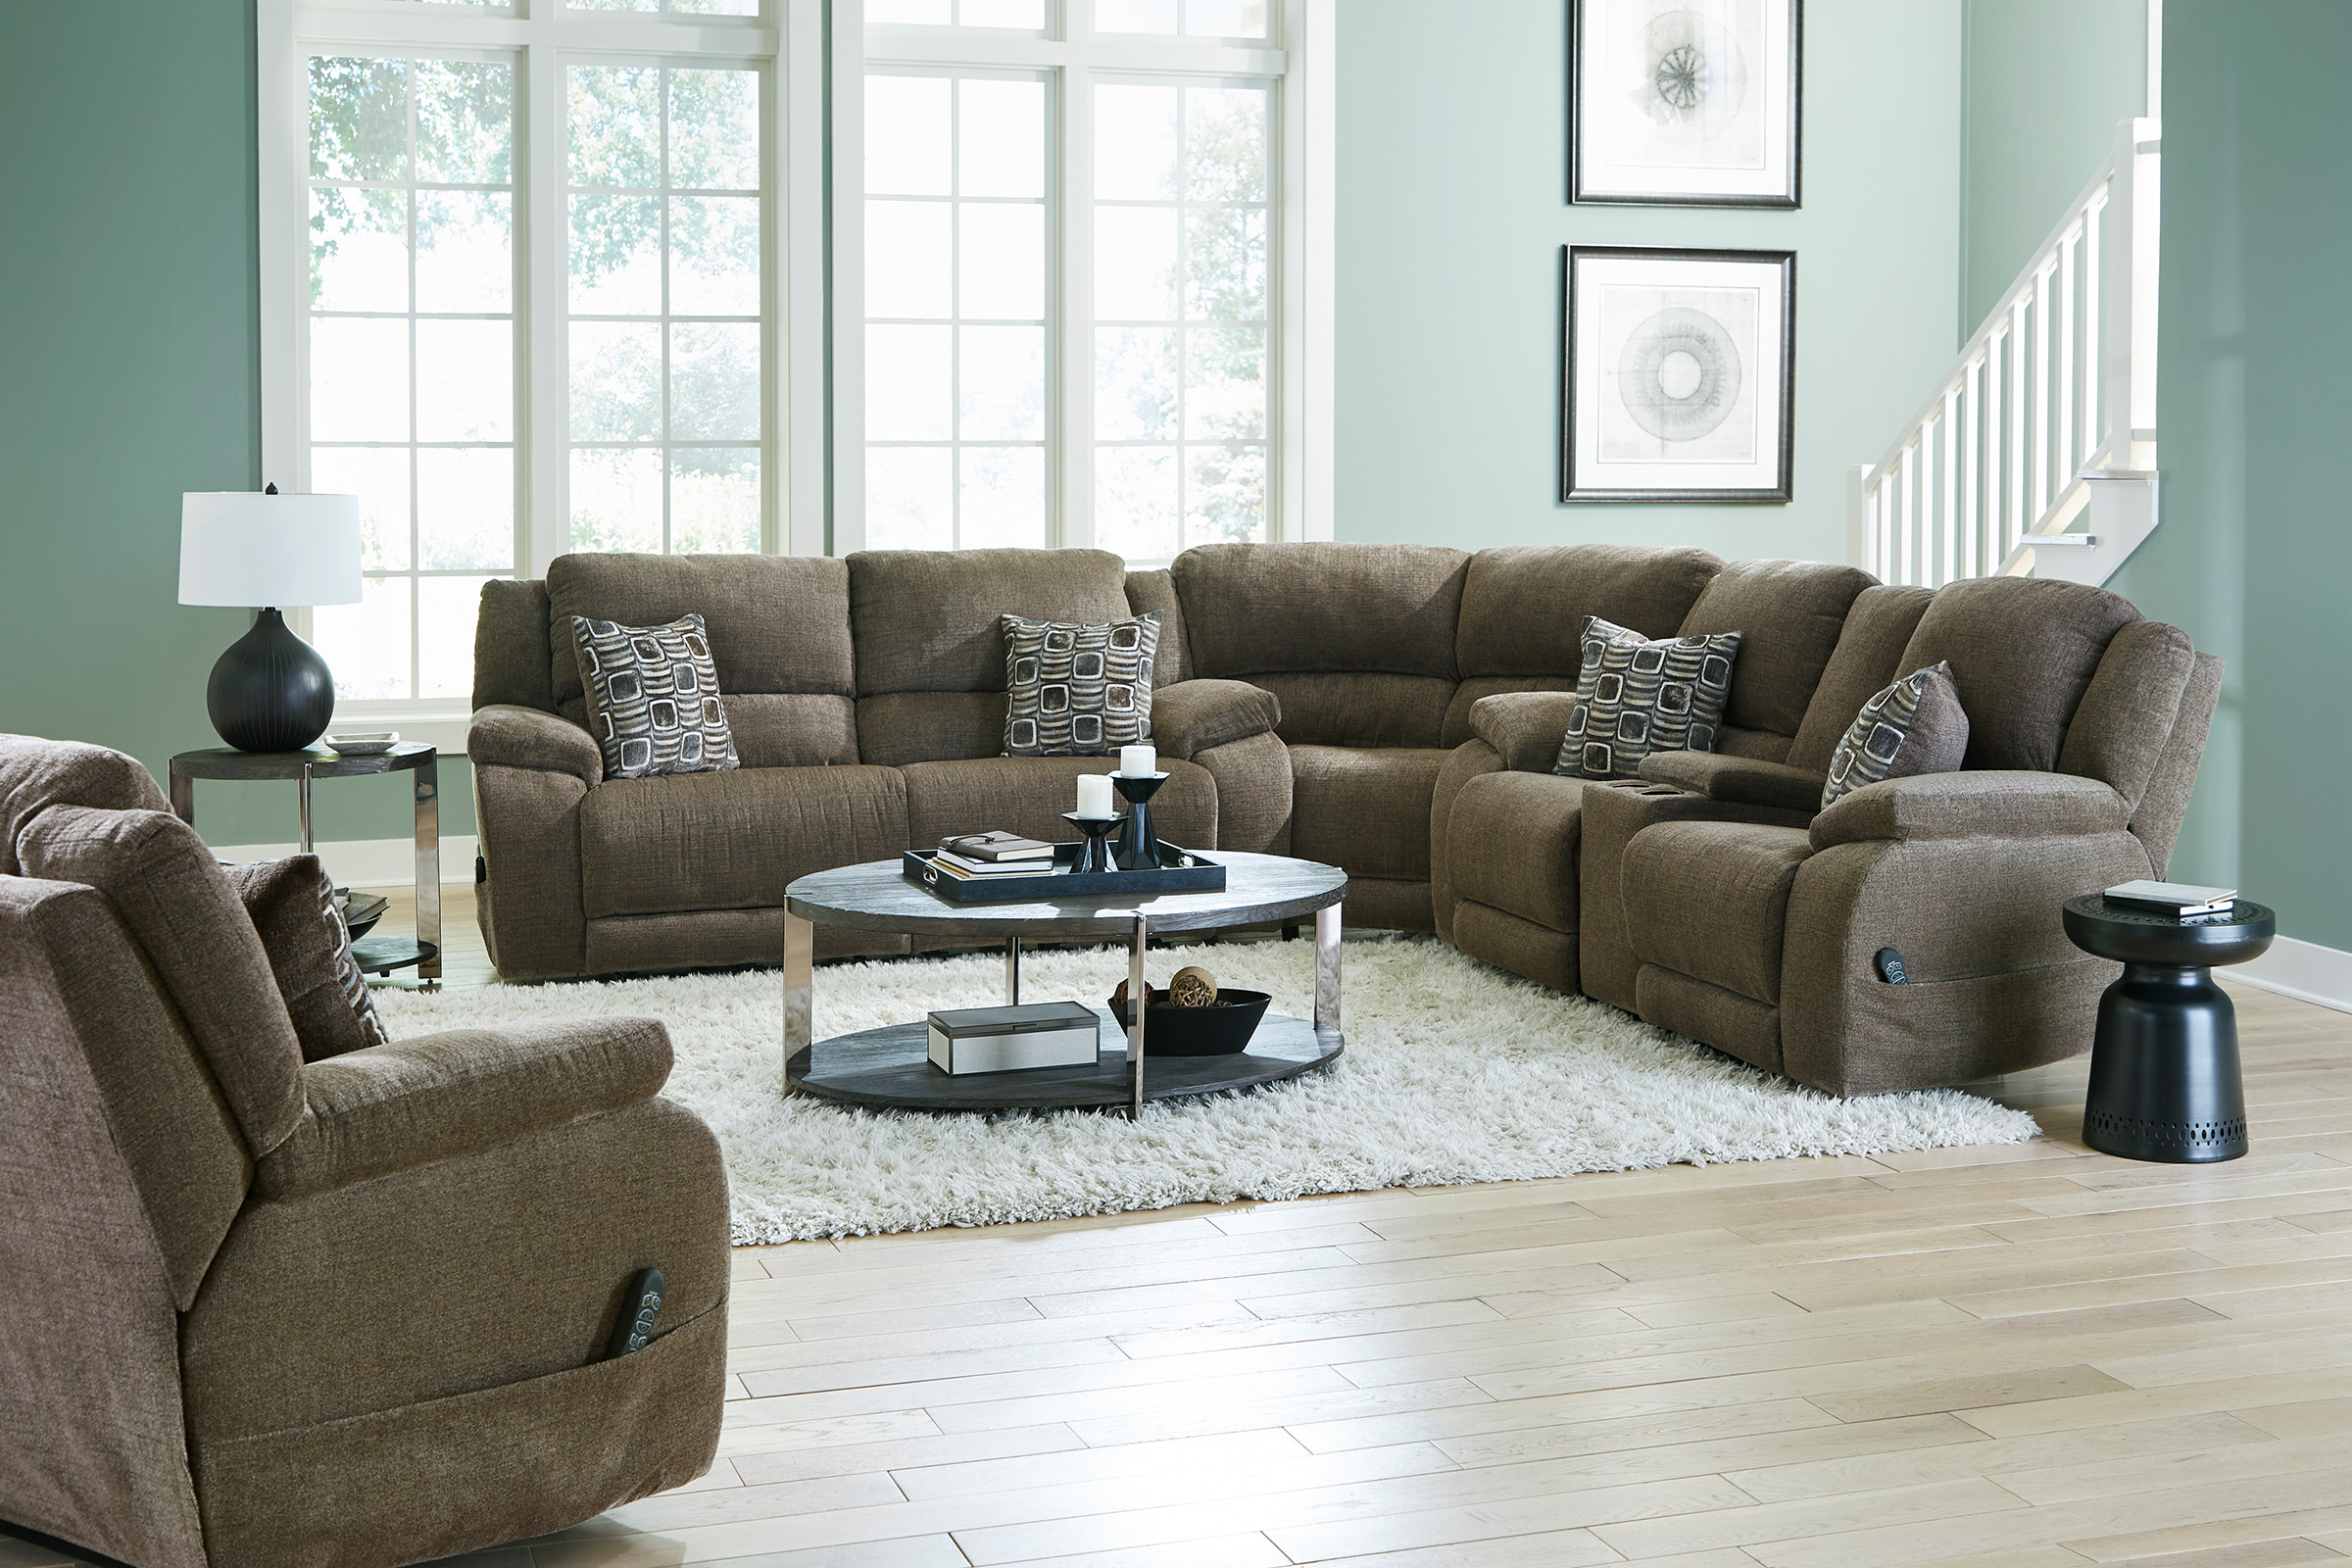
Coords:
1455,1072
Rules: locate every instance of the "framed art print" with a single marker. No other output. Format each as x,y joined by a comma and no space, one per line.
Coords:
1685,103
1679,374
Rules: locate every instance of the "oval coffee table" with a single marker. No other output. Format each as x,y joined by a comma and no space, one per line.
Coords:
889,1068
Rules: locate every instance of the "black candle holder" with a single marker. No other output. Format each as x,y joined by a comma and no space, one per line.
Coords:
1138,846
1094,851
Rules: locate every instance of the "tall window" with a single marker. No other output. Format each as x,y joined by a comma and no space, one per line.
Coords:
537,246
1071,298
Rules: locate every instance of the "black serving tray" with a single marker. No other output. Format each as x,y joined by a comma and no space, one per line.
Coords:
1205,875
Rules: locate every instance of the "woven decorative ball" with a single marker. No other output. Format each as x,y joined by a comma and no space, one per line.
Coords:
1192,987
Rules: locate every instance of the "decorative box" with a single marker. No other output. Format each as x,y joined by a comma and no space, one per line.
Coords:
1037,1034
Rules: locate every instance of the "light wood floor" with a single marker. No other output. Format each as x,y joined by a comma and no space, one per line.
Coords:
2012,1357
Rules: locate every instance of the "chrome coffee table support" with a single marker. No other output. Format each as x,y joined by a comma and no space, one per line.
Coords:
1012,971
1137,1003
800,976
1327,969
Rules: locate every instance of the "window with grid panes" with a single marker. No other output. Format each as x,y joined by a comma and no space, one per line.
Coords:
492,411
1021,388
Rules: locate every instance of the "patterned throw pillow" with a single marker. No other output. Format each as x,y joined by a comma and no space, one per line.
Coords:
653,698
1635,697
1916,725
1077,690
292,907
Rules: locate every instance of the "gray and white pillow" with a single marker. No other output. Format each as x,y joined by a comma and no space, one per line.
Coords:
1916,725
1634,696
1077,689
292,907
653,698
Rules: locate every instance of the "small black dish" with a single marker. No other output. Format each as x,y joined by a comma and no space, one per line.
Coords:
1223,1028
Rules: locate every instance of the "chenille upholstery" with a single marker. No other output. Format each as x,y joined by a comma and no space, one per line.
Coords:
351,1313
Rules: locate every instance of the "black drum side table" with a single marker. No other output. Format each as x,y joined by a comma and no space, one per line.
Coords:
376,955
2164,1076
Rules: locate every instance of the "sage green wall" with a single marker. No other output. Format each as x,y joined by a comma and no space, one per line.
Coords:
2043,85
2254,553
129,374
1452,207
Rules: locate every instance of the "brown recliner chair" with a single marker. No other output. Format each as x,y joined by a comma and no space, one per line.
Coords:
346,1313
1759,936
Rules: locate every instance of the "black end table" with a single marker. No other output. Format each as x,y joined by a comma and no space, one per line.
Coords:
2164,1075
376,955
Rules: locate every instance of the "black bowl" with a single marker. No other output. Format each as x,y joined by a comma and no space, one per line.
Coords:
1222,1029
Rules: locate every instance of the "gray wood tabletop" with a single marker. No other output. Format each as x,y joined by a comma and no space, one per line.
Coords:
877,896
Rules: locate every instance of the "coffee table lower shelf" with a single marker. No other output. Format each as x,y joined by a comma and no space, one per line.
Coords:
888,1069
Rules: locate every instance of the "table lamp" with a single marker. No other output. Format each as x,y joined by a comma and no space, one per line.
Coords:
271,691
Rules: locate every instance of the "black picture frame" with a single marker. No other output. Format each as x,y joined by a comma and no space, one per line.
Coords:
1576,487
1580,191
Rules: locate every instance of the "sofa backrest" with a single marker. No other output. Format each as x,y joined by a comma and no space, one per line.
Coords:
2022,652
1155,589
1878,627
1790,615
929,638
1524,609
779,629
1357,641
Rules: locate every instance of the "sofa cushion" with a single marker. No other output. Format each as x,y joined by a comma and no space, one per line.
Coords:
1914,726
170,895
2023,651
1789,614
1365,811
896,729
1637,696
1077,688
510,646
1155,589
1028,795
1523,606
1321,606
1359,709
776,624
724,841
36,773
1710,900
1877,625
931,620
292,906
791,729
1513,840
652,696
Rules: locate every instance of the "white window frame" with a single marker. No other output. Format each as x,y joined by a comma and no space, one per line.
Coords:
1297,60
785,43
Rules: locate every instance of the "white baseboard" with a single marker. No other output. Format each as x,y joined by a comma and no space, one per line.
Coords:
2303,970
367,862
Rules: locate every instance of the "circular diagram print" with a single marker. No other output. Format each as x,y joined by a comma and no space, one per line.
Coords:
1678,373
1695,74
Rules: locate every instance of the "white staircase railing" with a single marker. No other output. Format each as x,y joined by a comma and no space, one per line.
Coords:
2047,416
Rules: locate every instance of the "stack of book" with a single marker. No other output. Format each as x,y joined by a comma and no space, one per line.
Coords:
2173,897
995,854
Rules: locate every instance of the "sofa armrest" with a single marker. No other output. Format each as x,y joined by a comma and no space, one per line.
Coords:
531,737
1194,716
1525,728
1996,802
1743,780
463,1092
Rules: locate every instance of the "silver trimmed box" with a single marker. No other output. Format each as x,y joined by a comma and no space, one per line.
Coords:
1036,1034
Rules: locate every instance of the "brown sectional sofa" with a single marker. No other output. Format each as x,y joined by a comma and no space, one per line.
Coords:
1395,710
349,1312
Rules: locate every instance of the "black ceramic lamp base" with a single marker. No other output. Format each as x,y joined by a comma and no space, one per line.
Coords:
1138,845
271,691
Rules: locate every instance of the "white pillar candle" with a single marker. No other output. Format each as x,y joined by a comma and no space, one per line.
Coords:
1093,794
1138,761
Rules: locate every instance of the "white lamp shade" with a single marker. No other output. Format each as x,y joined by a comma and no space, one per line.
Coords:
240,547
